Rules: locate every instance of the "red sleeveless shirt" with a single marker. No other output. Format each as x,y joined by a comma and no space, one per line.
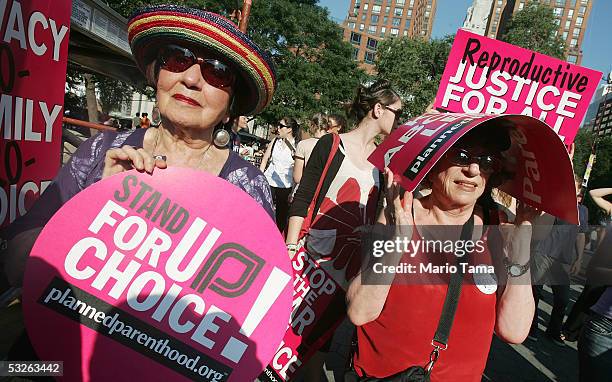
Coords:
401,336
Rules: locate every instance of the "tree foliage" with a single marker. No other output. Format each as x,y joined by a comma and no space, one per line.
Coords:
601,173
111,93
315,70
414,67
535,28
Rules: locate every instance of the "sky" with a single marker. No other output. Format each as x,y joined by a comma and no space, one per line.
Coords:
596,47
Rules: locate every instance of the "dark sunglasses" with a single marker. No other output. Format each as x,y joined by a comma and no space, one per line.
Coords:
398,112
280,126
486,163
177,59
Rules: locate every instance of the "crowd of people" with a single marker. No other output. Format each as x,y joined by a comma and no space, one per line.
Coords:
322,190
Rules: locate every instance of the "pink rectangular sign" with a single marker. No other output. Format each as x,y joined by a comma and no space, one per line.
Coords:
33,58
488,76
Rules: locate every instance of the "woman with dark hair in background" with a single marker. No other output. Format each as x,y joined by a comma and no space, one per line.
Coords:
316,129
348,197
336,123
277,165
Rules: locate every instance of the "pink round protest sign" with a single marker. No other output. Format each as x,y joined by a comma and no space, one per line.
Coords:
178,275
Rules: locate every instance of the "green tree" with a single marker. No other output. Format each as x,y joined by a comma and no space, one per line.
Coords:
535,28
601,173
127,7
315,69
414,67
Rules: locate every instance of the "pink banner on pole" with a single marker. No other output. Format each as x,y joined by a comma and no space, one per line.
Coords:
175,276
33,57
537,166
484,75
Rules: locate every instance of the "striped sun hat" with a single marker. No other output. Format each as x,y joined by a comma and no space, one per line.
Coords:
151,28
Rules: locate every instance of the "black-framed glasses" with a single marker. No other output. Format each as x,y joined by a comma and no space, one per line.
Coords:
177,59
486,163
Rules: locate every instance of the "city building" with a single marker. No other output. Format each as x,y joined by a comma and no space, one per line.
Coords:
572,16
603,121
600,94
370,21
602,125
477,17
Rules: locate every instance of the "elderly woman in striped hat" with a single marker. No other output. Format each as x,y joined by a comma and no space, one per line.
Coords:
206,72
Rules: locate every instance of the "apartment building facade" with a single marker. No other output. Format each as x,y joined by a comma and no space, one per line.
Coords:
370,21
571,17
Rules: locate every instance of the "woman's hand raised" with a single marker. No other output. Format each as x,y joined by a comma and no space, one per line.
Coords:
399,209
128,157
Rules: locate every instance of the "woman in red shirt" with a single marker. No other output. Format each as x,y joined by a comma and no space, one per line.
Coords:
396,321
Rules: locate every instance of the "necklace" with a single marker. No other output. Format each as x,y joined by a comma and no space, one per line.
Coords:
164,157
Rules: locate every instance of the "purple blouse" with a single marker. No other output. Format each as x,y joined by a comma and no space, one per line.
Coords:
86,165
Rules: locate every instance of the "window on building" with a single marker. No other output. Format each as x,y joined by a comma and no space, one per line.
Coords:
409,13
398,11
407,25
411,3
355,53
570,13
560,3
376,9
521,6
400,2
396,21
394,32
372,29
558,12
582,10
374,19
405,32
564,35
361,27
578,21
355,38
351,25
567,24
383,30
369,57
572,59
576,32
365,6
572,3
386,20
363,17
387,10
573,43
372,43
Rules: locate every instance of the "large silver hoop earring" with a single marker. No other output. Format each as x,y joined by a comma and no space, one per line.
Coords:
155,116
221,138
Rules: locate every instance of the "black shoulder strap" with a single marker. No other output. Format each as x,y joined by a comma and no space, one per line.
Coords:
452,295
289,145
